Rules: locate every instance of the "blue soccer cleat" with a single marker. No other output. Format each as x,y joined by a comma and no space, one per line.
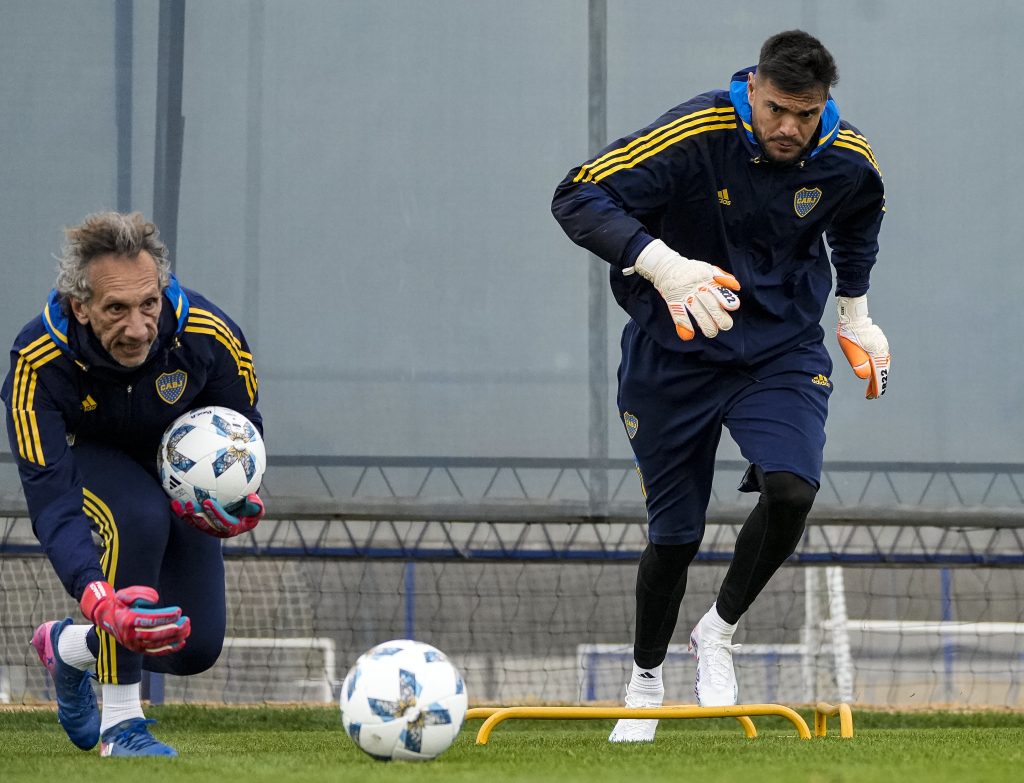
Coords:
132,738
77,711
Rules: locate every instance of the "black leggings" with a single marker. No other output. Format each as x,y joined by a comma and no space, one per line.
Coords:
768,536
660,585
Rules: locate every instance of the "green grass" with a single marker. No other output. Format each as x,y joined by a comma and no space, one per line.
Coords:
305,744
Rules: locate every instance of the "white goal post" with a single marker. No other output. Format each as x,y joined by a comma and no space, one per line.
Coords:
325,683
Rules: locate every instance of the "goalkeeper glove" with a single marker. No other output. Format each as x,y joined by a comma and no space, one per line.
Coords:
689,288
863,343
215,520
132,617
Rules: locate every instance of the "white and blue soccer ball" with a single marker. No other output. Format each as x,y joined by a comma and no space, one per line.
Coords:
211,452
403,700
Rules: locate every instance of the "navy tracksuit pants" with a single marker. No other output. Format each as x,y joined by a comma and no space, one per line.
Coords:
142,543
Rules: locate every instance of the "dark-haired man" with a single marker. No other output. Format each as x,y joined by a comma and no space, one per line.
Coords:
725,201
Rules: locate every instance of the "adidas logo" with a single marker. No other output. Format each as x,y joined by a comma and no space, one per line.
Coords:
88,404
646,676
821,380
723,197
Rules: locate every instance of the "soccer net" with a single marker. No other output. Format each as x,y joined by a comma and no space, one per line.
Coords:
898,605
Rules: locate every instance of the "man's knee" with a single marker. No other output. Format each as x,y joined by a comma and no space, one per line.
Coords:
663,565
788,493
195,657
787,499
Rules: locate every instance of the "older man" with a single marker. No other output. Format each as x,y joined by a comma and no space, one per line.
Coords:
119,351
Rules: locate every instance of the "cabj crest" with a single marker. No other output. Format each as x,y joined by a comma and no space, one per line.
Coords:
806,199
171,385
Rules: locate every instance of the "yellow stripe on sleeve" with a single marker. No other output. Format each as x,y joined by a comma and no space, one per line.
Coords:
852,141
210,324
860,141
657,140
26,426
204,322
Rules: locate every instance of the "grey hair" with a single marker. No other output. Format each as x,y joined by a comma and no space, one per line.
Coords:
106,233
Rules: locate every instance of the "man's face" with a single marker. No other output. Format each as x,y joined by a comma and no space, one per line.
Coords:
124,309
784,123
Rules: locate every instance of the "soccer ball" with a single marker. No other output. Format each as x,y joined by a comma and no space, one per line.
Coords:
403,700
213,453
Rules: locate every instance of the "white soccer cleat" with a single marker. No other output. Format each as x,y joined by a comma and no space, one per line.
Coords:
715,685
631,730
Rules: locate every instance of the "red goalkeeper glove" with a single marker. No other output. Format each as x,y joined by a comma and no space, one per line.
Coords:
132,617
215,520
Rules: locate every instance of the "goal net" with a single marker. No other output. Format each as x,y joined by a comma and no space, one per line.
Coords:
906,604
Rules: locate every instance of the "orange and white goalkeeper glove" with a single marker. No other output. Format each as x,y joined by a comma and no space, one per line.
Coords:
863,343
689,288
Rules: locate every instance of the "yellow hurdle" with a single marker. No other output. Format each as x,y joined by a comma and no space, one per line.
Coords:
822,712
741,712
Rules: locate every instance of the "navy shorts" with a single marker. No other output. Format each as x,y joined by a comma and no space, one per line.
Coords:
674,408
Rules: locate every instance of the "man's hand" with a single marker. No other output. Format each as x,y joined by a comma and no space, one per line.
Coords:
216,521
132,617
689,288
863,343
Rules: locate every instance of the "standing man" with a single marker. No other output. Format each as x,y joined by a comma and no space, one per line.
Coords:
722,202
120,351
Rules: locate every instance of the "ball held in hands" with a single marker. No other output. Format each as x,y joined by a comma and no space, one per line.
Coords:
213,519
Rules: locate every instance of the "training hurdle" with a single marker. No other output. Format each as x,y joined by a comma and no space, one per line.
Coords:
822,712
743,713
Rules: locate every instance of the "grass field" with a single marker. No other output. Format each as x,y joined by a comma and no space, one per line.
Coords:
307,744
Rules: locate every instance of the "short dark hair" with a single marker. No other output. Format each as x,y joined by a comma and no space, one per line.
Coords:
798,63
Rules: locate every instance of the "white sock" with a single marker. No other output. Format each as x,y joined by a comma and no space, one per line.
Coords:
713,622
73,650
120,702
646,680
